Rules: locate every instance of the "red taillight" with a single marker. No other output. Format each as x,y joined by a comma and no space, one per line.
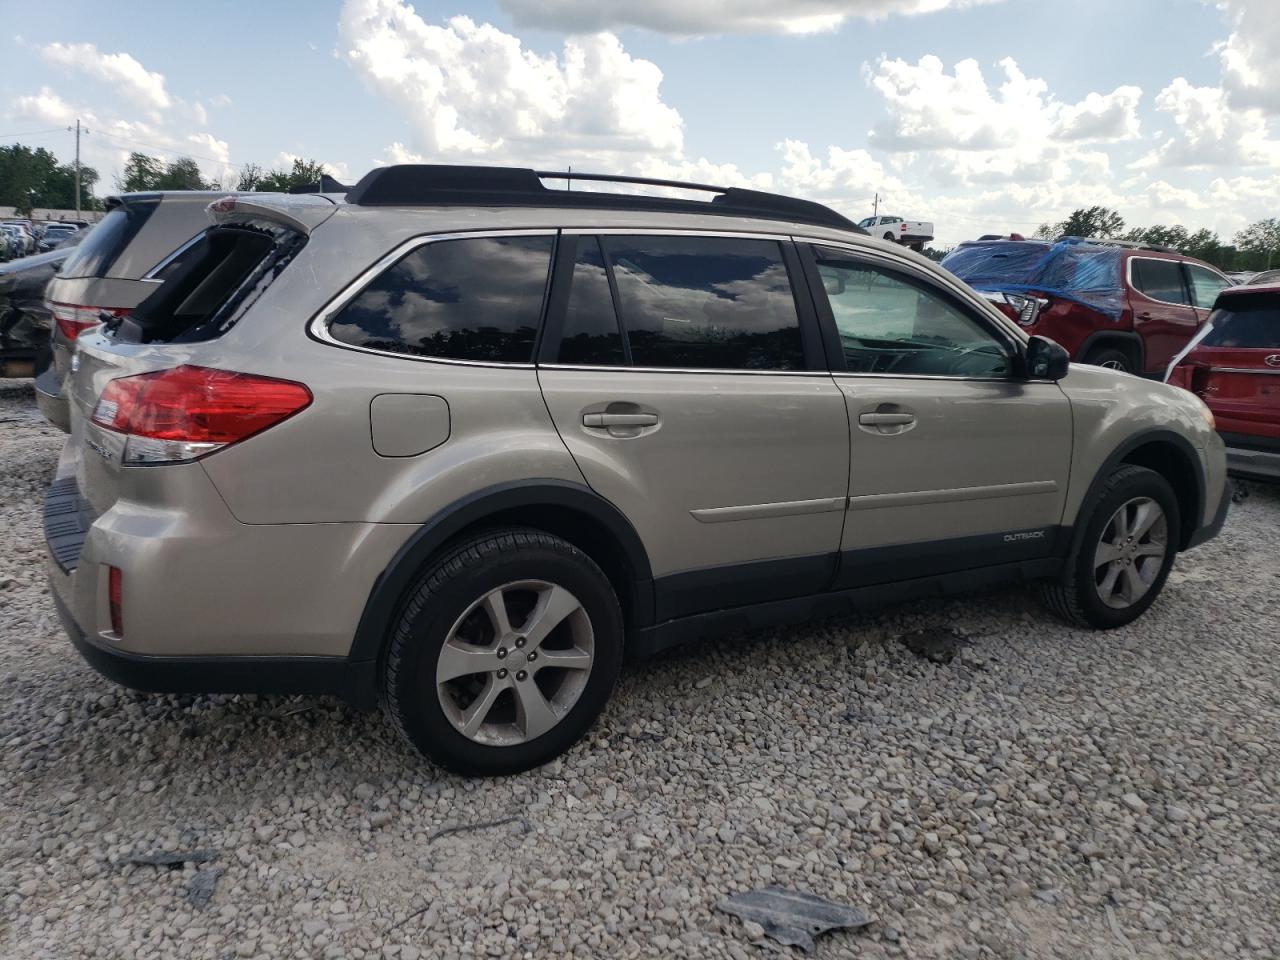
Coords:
74,318
115,595
187,412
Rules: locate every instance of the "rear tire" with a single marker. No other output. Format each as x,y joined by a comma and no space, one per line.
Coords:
891,238
506,653
1112,359
1123,558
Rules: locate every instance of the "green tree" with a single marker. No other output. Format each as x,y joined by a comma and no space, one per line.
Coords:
141,172
250,175
1047,231
304,173
1092,222
23,173
1260,242
184,174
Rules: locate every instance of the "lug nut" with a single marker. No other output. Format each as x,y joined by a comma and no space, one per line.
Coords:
533,655
519,641
502,653
502,673
521,675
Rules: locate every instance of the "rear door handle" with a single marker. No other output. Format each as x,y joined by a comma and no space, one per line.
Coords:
619,419
886,419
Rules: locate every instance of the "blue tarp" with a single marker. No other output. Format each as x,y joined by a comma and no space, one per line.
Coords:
1070,269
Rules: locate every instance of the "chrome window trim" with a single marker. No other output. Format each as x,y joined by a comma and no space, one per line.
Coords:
726,371
1128,279
318,326
150,275
1265,373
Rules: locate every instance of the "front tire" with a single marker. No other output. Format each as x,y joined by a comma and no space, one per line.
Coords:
1112,359
506,653
1124,555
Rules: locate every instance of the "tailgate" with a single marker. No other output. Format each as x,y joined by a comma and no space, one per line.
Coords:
1241,386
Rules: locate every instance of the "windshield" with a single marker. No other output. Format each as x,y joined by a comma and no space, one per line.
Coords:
866,222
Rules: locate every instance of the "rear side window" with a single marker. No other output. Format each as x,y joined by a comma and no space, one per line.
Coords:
217,277
1205,285
472,299
1159,279
715,303
1245,322
590,334
105,241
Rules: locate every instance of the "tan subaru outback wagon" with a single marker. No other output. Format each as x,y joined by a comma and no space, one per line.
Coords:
459,441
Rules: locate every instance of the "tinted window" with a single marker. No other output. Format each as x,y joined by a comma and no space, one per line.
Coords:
1248,322
189,250
1205,285
706,302
1159,279
474,299
106,240
590,324
890,324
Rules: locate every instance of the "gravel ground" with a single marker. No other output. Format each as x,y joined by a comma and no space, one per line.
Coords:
1050,792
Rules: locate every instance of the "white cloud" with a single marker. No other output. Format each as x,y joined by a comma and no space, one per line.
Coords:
119,69
1251,54
470,90
219,100
930,109
695,18
45,106
1210,132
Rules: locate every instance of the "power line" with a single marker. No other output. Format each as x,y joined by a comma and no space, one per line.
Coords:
31,133
125,142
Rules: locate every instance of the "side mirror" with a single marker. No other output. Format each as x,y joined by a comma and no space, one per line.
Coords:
1045,359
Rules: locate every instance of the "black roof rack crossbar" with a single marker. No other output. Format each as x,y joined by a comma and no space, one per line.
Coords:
458,185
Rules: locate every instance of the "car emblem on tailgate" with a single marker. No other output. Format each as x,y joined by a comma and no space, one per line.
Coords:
1273,360
97,448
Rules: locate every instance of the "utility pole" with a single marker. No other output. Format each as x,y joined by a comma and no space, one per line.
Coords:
78,131
875,209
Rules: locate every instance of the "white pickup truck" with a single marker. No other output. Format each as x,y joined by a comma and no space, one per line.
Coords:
912,233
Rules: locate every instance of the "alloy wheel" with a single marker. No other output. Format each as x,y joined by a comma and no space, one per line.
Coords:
1130,552
515,662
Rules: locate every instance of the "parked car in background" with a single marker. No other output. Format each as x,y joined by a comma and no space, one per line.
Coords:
143,238
1233,365
25,322
10,242
26,235
1241,276
55,233
418,447
1110,303
911,233
1265,276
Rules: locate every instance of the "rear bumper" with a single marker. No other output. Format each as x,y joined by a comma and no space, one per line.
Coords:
353,681
1252,456
52,404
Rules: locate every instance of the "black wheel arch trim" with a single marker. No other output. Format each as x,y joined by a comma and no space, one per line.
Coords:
1188,526
393,583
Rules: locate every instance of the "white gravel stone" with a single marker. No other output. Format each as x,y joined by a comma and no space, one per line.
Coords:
982,808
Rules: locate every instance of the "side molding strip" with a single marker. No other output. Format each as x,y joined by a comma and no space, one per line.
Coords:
954,495
761,511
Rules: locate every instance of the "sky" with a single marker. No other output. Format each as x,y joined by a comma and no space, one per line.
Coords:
983,116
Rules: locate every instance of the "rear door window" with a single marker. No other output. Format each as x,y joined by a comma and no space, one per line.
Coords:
713,303
1159,279
1205,285
474,299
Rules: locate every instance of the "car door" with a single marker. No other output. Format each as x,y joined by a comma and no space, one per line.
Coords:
1162,313
687,379
954,463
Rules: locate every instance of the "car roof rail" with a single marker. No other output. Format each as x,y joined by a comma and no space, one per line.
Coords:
326,184
1127,244
426,184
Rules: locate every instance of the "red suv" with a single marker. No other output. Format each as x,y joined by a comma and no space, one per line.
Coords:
1110,303
1233,365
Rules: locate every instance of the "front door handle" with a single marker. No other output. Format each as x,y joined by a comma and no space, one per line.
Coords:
886,419
619,419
